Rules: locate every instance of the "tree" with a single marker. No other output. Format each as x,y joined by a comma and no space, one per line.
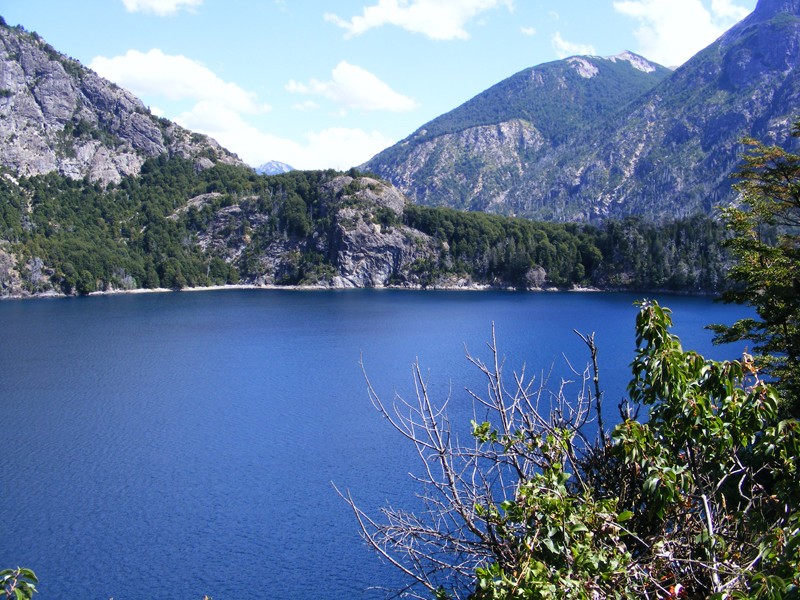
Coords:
474,494
711,476
699,499
18,584
766,246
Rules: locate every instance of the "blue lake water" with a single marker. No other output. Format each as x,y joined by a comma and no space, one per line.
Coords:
175,445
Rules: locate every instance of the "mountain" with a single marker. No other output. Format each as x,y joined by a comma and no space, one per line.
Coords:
97,194
583,139
558,98
57,115
472,156
273,167
174,226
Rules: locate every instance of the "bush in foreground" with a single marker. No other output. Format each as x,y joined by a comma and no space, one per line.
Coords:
699,499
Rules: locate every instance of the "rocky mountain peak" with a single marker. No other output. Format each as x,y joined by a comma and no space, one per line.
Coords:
636,61
583,66
57,115
767,9
589,66
273,167
606,138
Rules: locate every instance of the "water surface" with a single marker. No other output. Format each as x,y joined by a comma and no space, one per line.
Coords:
176,445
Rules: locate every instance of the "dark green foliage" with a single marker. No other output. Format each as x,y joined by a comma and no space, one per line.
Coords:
95,238
502,250
766,245
18,584
711,475
697,498
683,255
145,232
11,210
295,217
141,234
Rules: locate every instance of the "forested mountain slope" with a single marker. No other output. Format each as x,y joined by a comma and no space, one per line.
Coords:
173,226
472,156
667,152
97,194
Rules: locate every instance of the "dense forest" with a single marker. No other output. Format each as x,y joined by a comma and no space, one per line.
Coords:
151,231
684,255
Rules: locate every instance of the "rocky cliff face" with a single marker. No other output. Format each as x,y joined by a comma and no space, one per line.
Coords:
369,245
365,243
669,152
474,167
57,115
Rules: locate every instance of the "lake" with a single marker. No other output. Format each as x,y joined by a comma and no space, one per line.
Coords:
180,444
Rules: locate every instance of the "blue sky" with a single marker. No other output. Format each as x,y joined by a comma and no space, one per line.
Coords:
330,84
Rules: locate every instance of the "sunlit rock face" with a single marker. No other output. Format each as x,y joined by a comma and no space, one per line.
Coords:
57,115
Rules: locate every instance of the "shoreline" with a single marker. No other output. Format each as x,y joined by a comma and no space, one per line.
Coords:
324,288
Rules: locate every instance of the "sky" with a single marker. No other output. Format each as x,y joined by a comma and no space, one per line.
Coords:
322,85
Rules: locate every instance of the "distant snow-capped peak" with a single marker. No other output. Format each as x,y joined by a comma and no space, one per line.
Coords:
273,167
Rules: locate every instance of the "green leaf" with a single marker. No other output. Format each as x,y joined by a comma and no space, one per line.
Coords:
28,574
579,528
624,516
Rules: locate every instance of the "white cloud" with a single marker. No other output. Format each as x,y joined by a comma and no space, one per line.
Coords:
355,88
306,105
233,132
343,147
529,31
726,10
437,19
337,148
221,109
160,7
564,48
175,78
672,31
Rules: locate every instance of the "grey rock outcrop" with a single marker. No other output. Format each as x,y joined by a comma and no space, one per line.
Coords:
497,156
369,253
57,115
11,283
366,243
